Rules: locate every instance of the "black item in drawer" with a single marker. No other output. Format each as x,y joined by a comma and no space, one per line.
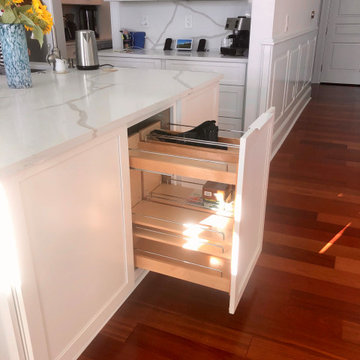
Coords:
207,131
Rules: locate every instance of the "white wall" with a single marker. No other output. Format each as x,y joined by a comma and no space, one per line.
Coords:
167,19
281,61
261,30
299,16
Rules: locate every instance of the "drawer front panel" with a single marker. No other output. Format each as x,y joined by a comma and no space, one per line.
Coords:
132,63
231,101
234,73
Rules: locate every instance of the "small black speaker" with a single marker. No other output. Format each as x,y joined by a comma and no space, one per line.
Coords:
201,46
167,45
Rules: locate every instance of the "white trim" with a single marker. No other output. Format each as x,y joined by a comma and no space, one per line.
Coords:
280,39
320,46
292,117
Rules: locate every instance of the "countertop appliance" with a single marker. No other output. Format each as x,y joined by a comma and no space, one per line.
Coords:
238,41
86,50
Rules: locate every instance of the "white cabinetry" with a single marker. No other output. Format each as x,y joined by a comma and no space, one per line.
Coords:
232,86
70,208
76,267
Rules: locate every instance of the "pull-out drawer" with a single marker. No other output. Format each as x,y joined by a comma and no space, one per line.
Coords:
188,203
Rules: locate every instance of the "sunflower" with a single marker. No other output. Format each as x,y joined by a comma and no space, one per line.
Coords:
31,13
40,16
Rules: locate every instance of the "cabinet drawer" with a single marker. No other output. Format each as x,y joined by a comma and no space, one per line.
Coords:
234,73
230,127
231,101
132,62
187,201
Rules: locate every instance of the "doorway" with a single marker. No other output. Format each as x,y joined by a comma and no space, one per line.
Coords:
338,51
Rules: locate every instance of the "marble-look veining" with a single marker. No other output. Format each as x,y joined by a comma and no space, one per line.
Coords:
64,110
166,19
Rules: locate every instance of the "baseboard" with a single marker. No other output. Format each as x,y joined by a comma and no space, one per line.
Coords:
290,119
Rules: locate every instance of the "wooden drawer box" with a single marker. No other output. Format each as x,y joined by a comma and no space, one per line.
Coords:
178,233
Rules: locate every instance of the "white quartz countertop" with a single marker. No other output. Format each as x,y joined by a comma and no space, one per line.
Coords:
174,55
61,111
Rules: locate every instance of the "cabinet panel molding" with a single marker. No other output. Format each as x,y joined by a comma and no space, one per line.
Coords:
70,209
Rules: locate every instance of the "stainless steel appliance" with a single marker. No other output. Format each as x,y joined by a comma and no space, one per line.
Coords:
237,43
86,50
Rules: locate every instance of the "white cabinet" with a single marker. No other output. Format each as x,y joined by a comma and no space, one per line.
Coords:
231,101
232,89
76,267
234,73
232,86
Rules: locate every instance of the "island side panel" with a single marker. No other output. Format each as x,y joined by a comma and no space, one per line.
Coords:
75,221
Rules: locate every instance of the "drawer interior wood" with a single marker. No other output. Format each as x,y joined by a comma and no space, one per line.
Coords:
184,166
190,224
174,232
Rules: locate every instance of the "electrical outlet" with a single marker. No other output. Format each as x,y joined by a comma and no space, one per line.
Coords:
188,21
313,14
145,21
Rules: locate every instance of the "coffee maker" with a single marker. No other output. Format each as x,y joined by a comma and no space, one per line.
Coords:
237,43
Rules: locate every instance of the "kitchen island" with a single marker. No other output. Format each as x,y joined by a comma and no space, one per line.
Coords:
66,257
62,110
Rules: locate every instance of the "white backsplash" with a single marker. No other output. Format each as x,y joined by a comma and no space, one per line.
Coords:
167,20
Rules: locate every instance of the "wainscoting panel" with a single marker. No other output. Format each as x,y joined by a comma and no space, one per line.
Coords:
303,60
288,63
293,77
310,68
279,84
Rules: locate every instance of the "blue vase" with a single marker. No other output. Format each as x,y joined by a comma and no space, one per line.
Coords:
15,54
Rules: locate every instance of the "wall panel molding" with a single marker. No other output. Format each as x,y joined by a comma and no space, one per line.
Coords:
286,71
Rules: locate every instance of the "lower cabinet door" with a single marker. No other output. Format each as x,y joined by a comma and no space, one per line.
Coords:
231,101
189,202
73,210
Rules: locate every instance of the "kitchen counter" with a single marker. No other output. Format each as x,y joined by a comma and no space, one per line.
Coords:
65,198
174,55
61,111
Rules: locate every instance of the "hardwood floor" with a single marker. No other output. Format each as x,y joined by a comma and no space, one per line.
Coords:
299,304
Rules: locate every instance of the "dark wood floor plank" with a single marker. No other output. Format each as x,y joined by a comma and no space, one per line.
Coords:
147,343
203,332
262,349
313,246
298,305
289,252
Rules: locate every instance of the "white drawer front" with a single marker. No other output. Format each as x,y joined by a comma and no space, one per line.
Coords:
132,63
234,73
231,101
